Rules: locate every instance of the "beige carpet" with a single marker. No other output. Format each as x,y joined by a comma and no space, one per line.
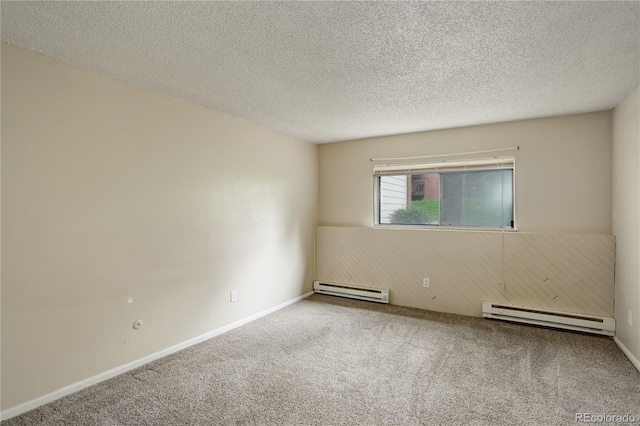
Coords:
332,361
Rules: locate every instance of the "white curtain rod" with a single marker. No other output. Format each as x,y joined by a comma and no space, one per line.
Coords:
445,155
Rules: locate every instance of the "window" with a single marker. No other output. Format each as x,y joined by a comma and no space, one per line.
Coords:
476,193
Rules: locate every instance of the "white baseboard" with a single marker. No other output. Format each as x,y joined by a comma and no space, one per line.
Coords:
628,353
75,387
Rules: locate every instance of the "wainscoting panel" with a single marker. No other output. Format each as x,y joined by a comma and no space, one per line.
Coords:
565,272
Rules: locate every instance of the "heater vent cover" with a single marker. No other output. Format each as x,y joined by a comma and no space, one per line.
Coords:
564,320
343,290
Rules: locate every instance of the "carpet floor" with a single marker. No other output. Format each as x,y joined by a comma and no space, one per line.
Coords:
333,361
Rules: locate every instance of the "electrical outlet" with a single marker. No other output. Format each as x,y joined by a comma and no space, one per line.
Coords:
425,282
233,295
630,318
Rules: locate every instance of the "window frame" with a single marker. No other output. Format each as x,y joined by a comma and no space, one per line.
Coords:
495,163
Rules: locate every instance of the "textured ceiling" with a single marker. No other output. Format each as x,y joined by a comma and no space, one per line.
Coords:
331,71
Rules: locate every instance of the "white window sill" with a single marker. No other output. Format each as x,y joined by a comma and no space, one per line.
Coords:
443,228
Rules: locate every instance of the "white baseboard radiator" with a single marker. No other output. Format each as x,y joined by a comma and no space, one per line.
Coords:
564,320
352,292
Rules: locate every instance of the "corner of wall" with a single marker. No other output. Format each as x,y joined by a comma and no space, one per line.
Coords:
626,222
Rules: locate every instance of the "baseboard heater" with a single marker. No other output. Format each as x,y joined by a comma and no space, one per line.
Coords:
564,320
352,292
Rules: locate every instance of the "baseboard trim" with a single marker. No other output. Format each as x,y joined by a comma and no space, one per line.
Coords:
627,352
75,387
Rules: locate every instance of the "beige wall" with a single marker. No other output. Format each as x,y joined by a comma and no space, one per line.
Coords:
561,272
561,258
626,217
563,170
0,235
110,192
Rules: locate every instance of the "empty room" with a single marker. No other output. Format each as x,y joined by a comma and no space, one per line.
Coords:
320,213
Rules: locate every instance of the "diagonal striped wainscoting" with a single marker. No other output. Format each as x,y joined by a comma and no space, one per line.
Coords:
564,272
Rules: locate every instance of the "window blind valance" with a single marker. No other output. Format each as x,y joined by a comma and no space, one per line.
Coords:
445,166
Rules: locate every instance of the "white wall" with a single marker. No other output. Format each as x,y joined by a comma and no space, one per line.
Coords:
563,170
111,192
626,218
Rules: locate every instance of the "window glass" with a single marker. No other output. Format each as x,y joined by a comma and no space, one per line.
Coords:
477,198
